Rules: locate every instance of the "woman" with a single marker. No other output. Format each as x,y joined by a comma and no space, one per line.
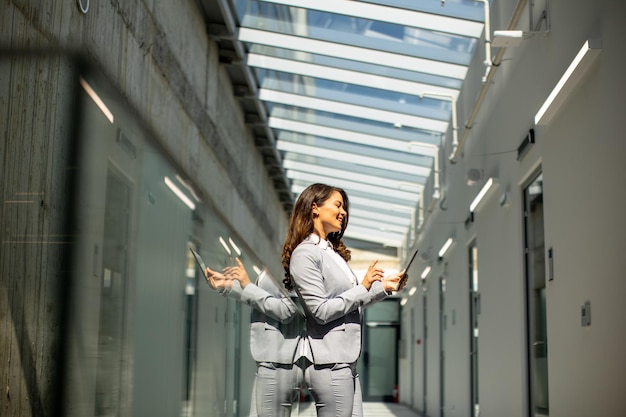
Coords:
276,328
315,262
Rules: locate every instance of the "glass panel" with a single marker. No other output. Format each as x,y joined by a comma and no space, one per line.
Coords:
382,13
382,363
141,326
353,110
355,53
292,166
378,363
433,80
536,298
393,203
327,163
309,145
382,154
317,63
386,312
405,133
465,9
113,294
388,95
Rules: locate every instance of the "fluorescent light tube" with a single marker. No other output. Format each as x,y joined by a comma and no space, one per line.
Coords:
412,291
226,248
483,191
234,246
425,272
178,193
567,83
96,99
445,247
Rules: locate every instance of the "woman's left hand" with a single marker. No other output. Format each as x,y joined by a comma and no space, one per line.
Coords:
216,280
392,282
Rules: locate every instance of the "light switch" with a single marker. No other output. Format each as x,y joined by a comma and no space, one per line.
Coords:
586,314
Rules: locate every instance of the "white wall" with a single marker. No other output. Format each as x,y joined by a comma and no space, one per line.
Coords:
581,155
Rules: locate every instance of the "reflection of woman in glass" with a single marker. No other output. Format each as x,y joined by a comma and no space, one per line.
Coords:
276,329
315,261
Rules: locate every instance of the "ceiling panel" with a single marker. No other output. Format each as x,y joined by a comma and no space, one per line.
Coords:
359,94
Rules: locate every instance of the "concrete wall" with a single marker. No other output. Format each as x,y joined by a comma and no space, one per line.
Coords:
580,153
159,56
35,153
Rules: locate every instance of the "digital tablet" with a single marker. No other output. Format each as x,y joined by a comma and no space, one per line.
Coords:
199,260
405,276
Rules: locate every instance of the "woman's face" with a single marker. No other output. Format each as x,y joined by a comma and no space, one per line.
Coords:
330,215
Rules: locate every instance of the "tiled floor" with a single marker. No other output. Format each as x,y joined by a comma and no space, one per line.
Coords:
369,410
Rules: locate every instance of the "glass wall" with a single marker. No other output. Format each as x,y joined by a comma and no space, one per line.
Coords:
99,226
147,334
101,298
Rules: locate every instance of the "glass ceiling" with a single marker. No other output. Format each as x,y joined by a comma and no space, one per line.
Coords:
359,95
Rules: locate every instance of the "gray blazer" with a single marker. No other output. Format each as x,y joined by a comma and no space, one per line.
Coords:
332,302
276,325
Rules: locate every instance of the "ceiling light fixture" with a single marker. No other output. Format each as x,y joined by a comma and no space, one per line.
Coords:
507,38
425,272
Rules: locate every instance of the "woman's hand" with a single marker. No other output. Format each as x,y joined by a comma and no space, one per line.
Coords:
372,275
237,272
392,282
216,280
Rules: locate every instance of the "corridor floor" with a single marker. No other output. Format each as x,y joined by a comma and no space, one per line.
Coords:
369,410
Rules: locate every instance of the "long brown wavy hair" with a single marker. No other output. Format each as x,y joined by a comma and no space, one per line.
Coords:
301,224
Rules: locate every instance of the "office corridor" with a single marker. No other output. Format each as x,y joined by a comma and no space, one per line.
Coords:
370,409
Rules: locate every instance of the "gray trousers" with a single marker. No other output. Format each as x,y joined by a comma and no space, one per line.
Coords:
336,389
276,389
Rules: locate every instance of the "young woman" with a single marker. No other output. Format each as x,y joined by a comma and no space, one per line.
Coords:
276,328
315,262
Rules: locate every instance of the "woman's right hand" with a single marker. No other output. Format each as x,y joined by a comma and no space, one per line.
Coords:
372,275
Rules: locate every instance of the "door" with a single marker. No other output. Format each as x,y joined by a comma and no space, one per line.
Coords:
442,345
474,305
536,323
425,350
380,350
113,288
412,358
